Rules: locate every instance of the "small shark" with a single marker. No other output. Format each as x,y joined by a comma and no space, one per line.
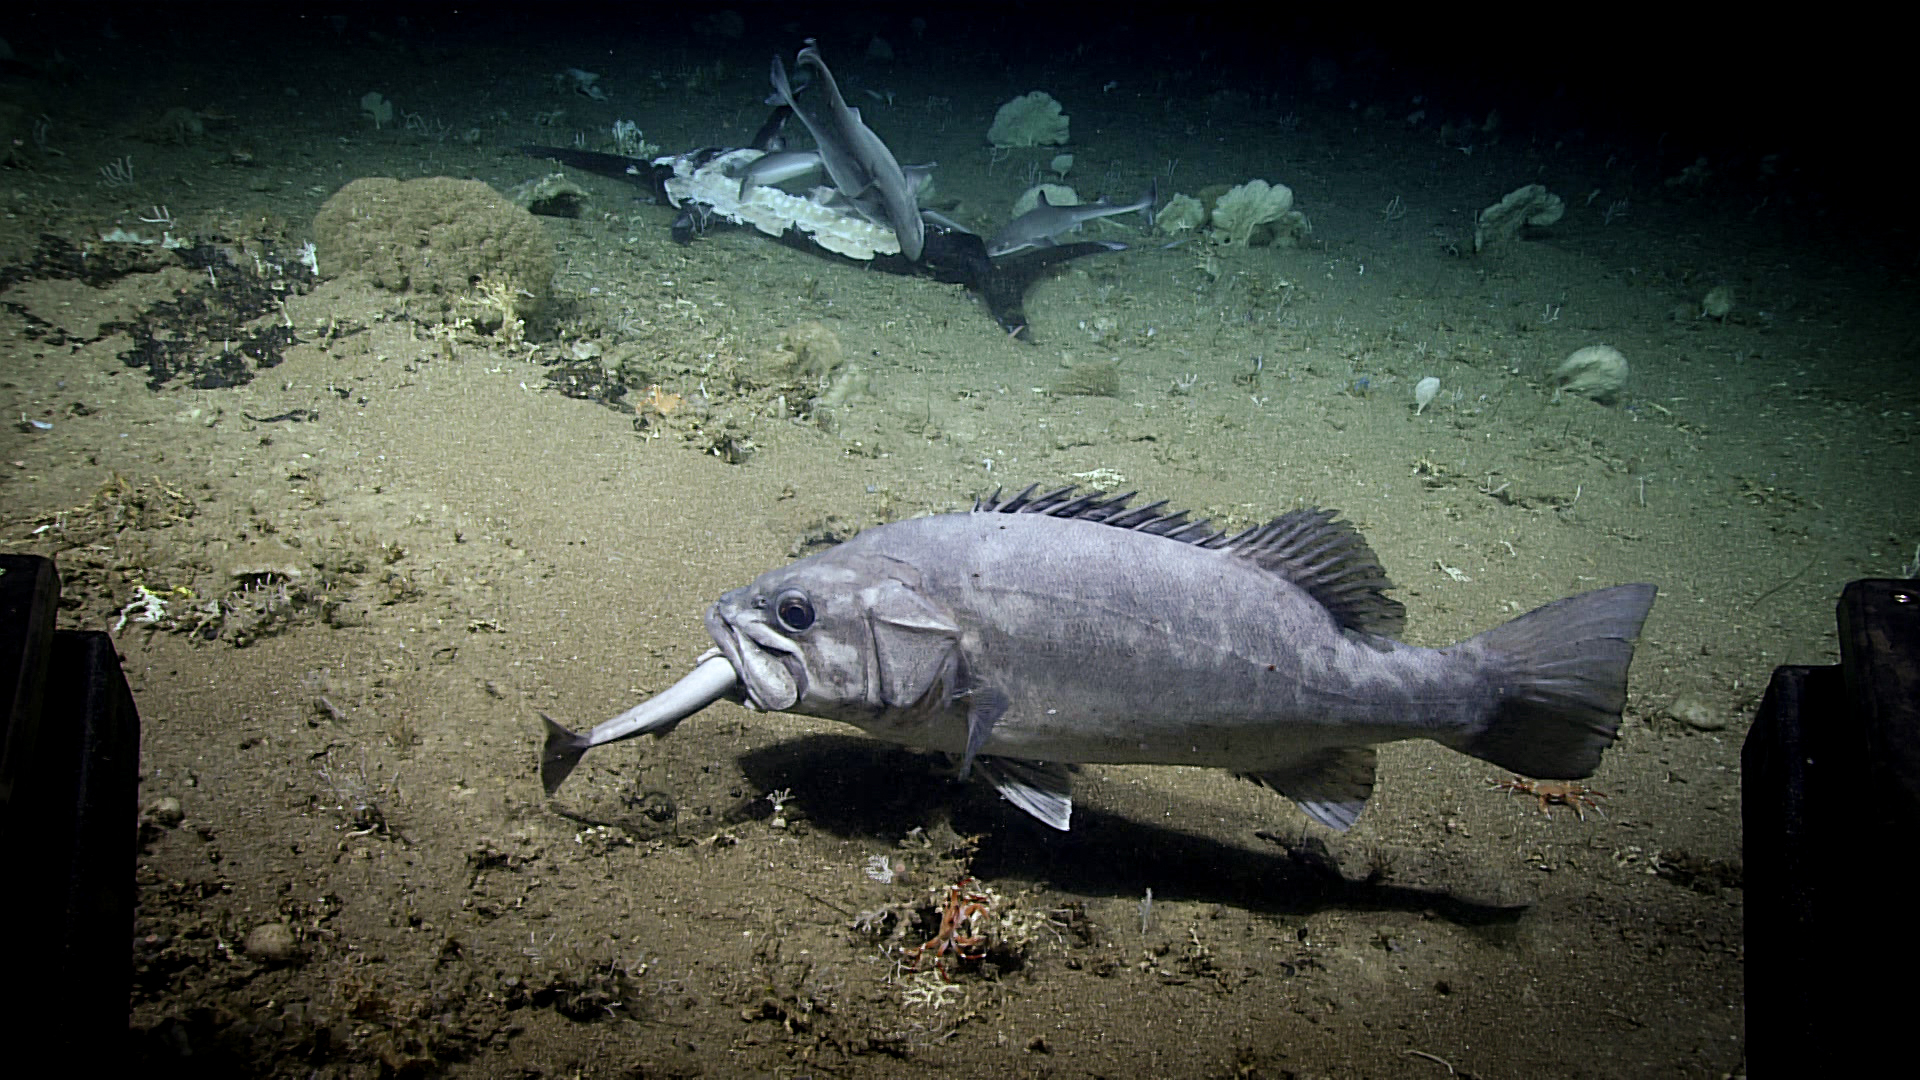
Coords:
774,169
777,168
1037,227
862,167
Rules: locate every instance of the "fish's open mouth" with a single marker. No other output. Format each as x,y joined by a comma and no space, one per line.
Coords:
768,664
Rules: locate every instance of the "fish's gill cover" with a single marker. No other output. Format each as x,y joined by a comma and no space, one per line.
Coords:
1326,558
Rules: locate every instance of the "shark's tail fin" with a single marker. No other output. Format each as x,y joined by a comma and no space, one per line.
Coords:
562,752
1562,673
1151,199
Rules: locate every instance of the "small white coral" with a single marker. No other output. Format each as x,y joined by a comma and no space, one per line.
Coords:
629,141
147,609
1032,119
1247,207
930,990
873,921
377,107
779,800
1424,392
1530,205
1182,212
1597,372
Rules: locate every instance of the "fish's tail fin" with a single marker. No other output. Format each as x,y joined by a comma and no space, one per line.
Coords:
1561,673
1150,198
563,751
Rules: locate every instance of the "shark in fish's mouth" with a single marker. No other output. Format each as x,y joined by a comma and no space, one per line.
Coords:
768,663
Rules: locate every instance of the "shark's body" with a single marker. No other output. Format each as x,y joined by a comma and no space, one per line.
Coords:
1038,226
778,167
862,167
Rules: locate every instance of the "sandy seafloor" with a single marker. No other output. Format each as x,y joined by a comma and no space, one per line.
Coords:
451,546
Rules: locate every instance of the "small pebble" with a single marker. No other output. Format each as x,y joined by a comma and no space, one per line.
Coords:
165,811
1696,714
270,941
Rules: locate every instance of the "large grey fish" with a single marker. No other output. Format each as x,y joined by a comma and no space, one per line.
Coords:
1043,630
862,167
1038,226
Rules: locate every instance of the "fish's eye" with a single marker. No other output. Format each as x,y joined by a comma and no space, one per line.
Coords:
794,611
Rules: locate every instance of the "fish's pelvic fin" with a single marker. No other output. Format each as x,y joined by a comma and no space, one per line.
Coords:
1331,786
563,751
1041,788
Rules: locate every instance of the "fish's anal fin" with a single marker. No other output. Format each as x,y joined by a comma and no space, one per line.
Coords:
1331,786
984,709
562,752
1041,788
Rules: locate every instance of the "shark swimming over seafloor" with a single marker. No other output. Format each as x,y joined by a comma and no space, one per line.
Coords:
862,167
1038,226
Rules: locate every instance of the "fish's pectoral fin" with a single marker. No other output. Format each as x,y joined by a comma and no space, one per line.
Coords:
985,706
1331,786
562,752
1041,788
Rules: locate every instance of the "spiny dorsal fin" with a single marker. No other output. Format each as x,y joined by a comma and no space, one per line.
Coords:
1327,558
1331,561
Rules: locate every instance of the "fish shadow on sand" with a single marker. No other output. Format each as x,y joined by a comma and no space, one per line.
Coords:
856,788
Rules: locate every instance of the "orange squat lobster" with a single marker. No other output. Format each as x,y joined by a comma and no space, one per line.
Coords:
1553,793
961,909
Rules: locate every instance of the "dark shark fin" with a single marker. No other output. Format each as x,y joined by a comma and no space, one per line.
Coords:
1331,787
562,752
1041,788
